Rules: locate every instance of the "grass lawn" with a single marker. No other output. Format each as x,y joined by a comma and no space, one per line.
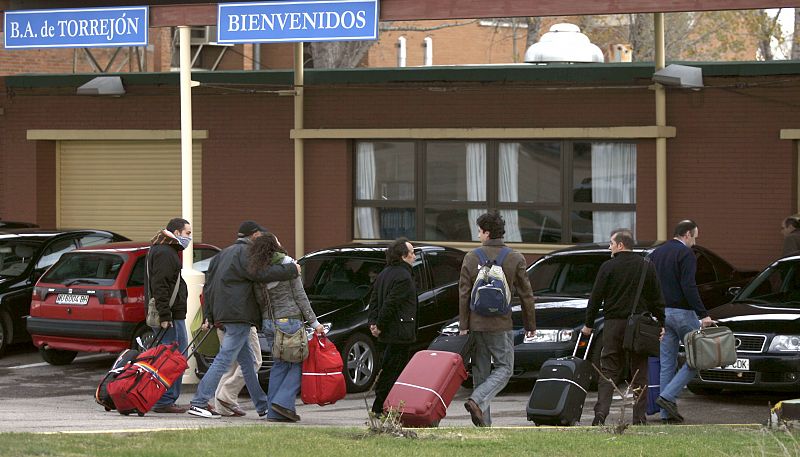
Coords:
298,441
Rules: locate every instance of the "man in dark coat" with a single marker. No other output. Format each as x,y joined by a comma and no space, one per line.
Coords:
615,291
230,303
164,276
393,316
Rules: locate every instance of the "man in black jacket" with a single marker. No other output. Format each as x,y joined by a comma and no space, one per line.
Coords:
393,316
231,304
168,289
615,291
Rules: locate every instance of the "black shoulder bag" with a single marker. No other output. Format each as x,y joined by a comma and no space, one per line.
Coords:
643,332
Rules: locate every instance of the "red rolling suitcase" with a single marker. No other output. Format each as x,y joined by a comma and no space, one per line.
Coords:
426,387
144,380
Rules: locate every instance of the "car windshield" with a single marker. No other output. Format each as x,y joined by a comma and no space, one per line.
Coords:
85,268
16,255
570,275
778,284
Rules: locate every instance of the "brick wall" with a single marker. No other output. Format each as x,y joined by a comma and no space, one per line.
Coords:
727,168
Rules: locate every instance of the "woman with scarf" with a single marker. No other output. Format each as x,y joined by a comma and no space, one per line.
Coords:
285,306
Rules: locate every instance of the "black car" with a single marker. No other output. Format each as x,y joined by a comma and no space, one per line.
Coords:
562,282
338,282
25,254
765,319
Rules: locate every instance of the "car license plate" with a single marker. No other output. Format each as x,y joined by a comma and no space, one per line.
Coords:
739,365
69,299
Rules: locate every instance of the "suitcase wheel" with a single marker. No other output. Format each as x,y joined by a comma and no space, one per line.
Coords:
435,423
107,408
141,414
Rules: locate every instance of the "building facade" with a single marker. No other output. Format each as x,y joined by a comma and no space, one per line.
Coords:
566,153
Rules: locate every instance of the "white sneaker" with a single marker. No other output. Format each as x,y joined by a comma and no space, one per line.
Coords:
203,412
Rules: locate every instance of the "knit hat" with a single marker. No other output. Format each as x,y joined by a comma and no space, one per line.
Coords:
248,228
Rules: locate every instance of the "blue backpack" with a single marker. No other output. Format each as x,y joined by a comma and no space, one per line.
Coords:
490,293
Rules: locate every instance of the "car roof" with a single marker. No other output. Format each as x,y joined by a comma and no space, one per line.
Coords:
128,246
46,233
374,249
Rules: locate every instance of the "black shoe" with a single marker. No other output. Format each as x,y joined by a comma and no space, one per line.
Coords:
281,419
285,412
671,408
669,421
598,421
640,422
475,413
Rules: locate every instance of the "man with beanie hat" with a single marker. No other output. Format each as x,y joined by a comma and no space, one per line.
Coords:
230,304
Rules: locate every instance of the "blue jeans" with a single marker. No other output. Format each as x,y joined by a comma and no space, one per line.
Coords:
236,346
491,349
284,377
677,324
175,333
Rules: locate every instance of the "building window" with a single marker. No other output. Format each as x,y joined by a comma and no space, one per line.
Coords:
547,191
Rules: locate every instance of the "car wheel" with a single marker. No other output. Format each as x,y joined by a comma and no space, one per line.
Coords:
57,356
5,332
360,362
697,390
594,361
145,335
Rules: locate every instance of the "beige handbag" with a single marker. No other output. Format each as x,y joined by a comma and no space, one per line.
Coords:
710,347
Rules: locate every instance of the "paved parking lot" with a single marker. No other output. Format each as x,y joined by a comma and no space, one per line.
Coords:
36,397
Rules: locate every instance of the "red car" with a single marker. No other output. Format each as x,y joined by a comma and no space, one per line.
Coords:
92,300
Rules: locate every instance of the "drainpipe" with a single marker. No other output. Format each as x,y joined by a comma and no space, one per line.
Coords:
299,203
194,279
401,51
661,142
427,43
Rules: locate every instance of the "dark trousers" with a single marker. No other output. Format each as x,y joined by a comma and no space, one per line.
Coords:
395,357
612,363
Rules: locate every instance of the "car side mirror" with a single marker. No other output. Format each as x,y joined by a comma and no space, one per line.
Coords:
734,291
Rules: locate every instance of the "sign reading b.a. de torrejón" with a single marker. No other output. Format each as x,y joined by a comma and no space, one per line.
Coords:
295,21
76,28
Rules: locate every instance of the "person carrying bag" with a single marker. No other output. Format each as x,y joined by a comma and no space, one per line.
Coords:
285,309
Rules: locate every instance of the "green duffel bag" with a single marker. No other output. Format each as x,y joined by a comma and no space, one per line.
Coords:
710,347
209,346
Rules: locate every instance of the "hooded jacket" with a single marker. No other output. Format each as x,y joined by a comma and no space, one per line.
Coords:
229,290
165,268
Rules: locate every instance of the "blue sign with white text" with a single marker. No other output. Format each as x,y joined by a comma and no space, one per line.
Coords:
76,28
295,21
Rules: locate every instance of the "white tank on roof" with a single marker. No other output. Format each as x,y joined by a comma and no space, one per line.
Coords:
564,43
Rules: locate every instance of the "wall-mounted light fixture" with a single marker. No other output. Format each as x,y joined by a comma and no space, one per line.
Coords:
103,85
680,76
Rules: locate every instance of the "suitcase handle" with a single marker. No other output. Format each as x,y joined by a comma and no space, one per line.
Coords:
195,346
578,343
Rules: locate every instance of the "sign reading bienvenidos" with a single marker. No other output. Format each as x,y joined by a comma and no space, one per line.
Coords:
295,21
76,28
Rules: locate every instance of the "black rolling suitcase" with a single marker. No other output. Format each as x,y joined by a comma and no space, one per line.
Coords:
558,395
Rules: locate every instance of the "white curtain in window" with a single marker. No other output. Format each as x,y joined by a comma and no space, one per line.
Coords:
476,183
366,226
613,181
509,188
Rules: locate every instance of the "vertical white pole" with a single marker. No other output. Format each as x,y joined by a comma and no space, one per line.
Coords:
661,143
194,279
299,182
428,44
401,51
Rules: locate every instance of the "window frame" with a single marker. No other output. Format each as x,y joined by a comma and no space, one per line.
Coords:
566,206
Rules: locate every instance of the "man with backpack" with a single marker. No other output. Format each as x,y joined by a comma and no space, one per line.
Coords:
489,275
